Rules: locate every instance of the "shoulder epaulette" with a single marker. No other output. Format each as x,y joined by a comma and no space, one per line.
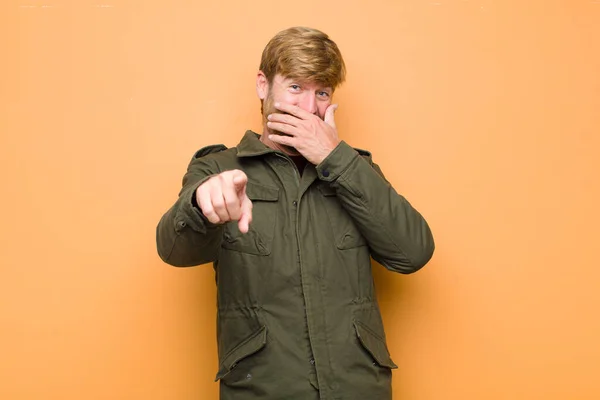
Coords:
365,154
215,148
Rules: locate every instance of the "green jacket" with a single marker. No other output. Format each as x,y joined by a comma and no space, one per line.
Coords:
298,317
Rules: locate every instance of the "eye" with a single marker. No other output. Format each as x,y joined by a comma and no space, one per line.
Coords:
323,94
295,87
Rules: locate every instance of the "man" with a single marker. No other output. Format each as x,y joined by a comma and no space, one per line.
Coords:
290,219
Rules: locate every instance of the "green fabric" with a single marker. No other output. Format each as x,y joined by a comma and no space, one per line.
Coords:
297,312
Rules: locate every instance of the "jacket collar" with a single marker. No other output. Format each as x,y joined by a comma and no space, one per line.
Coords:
251,146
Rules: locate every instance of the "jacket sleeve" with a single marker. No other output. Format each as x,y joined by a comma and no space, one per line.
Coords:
184,237
399,237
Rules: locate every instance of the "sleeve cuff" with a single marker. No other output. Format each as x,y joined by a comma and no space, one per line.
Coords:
190,214
336,162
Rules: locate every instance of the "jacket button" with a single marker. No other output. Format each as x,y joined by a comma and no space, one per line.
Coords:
295,203
181,224
312,361
325,173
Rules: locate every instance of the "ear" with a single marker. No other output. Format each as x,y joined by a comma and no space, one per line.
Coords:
262,85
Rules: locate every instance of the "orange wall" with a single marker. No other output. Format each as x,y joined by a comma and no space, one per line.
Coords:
485,114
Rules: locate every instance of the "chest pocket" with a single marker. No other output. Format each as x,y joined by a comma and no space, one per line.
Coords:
259,238
346,234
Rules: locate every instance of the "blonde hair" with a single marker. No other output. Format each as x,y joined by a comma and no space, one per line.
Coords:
303,53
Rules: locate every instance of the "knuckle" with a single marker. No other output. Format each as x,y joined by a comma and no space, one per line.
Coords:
232,203
205,187
211,215
218,203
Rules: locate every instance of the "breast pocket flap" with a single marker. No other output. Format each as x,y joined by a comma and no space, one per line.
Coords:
257,192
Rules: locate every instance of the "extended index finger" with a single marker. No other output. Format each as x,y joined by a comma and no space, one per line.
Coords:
246,217
239,180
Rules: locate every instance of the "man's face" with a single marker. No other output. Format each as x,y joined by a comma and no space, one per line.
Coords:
311,97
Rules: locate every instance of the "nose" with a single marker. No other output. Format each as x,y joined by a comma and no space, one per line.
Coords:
309,102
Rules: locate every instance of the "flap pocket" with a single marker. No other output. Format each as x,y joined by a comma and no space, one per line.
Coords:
258,192
259,238
346,234
246,348
374,344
